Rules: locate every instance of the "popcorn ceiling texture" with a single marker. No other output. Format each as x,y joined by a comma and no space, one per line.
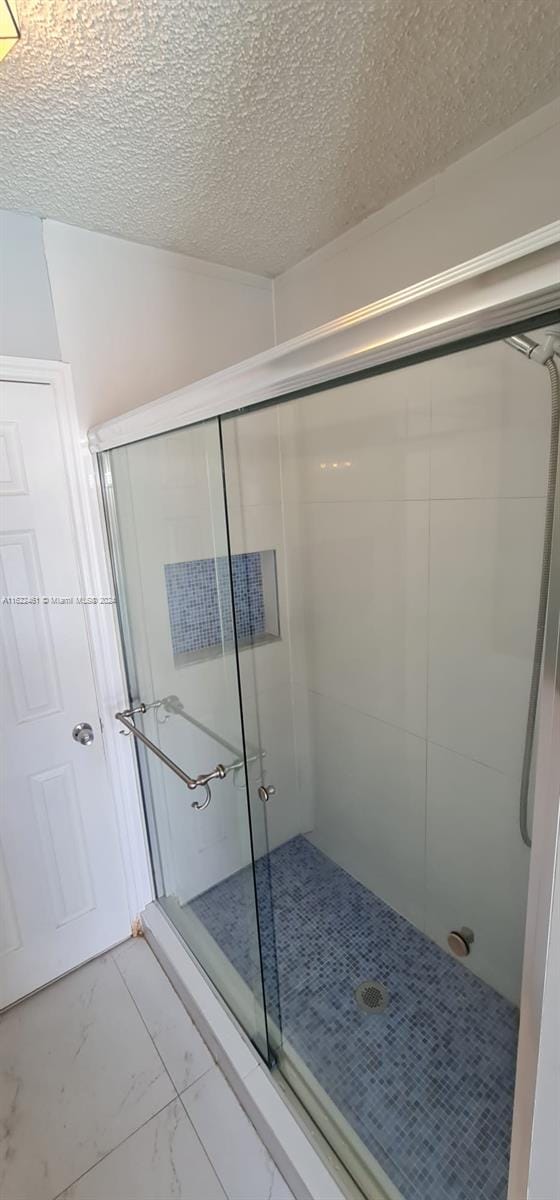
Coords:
251,132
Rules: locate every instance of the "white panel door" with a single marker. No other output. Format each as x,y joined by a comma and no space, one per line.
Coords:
62,889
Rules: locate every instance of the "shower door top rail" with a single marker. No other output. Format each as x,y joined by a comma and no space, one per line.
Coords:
496,290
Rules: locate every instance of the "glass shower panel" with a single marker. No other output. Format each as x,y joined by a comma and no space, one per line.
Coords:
402,517
176,583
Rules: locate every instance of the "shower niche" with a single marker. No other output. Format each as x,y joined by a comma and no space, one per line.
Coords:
196,621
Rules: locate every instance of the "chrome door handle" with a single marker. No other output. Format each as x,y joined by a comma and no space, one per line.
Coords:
265,793
83,733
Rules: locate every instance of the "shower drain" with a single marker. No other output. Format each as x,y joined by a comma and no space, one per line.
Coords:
372,996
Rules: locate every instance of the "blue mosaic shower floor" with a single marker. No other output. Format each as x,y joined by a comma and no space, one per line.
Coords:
427,1084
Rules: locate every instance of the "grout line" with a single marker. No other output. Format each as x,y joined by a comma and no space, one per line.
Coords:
411,733
396,500
247,1118
195,1130
138,1010
411,500
364,713
184,1009
479,761
117,1147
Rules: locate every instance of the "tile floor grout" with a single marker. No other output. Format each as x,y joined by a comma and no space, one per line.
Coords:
178,1098
195,1130
140,1014
132,1133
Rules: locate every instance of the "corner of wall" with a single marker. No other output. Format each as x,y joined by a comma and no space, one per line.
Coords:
28,327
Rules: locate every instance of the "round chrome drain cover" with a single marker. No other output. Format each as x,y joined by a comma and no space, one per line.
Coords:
372,996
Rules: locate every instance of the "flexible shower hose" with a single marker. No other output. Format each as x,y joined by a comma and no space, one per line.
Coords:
553,473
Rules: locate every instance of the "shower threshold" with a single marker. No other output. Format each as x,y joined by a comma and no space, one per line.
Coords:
420,1094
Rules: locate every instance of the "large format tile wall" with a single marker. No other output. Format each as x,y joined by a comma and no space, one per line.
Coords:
414,507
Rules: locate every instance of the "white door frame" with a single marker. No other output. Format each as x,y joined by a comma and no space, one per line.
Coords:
92,559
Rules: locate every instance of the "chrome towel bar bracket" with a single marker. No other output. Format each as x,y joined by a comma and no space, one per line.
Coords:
203,781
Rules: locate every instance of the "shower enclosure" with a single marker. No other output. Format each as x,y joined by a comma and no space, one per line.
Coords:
329,606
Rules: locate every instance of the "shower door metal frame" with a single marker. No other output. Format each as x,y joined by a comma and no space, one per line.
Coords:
504,288
501,291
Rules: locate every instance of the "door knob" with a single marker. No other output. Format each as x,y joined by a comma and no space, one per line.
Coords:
265,793
83,733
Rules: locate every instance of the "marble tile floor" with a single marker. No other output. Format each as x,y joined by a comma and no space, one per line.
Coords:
108,1092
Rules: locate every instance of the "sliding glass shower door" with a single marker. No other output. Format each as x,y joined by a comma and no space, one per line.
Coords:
401,518
329,607
177,588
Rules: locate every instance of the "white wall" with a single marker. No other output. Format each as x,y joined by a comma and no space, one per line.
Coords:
27,319
135,322
506,188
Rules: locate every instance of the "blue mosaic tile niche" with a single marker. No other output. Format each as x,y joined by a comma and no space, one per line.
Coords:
199,601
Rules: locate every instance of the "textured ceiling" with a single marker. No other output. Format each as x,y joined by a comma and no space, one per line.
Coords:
251,132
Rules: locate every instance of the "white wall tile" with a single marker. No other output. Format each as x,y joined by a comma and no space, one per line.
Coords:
251,457
254,528
371,802
366,440
366,606
490,424
269,672
269,726
477,865
484,582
